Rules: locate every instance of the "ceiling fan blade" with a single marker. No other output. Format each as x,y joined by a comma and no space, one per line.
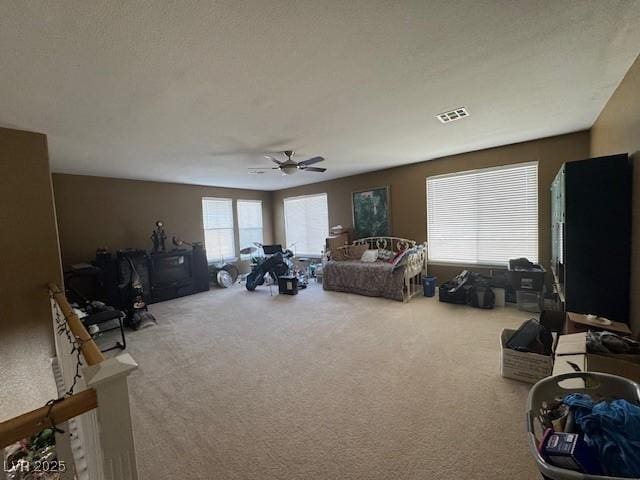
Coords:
273,159
311,161
313,169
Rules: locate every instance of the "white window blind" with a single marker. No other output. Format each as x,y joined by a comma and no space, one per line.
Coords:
249,223
217,218
306,223
484,216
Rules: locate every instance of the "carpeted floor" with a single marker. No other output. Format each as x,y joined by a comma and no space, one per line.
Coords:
240,385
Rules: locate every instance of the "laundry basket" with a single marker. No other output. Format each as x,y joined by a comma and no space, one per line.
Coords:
599,386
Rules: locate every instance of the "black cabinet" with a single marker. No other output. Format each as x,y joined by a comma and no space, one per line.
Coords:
591,235
177,273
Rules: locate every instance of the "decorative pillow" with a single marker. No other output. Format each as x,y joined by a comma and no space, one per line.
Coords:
401,257
349,252
356,251
369,256
386,255
339,254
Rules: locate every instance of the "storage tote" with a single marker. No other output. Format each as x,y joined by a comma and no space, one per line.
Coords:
599,386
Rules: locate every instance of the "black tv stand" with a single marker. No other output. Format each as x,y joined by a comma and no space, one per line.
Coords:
177,273
164,275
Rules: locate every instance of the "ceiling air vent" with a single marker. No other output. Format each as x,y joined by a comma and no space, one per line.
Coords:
456,114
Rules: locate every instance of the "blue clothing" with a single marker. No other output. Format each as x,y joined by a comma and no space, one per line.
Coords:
612,429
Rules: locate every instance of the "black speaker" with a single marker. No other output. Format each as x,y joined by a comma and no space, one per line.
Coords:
200,268
288,285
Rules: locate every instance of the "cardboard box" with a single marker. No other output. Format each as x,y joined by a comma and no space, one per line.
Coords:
572,344
568,450
627,357
572,350
523,366
336,241
577,322
576,343
596,363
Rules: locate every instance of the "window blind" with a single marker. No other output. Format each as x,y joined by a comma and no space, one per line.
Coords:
484,216
249,223
306,223
217,219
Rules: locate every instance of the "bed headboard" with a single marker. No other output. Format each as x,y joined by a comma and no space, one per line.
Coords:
395,244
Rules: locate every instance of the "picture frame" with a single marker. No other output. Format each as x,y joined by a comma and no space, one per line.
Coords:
371,212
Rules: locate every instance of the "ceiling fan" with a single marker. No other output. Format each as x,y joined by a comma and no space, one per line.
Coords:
289,167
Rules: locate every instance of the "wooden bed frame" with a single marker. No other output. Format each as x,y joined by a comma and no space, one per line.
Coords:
415,266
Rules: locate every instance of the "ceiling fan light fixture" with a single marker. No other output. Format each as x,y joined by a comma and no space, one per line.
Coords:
289,169
289,166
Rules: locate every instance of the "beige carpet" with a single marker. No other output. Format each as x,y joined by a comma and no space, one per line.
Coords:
240,385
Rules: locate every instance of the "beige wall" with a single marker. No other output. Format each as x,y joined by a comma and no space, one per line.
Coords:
114,213
408,196
29,245
617,130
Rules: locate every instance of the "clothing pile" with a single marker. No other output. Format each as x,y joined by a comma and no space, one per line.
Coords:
609,342
597,438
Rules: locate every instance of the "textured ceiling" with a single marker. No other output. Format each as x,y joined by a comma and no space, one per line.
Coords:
193,91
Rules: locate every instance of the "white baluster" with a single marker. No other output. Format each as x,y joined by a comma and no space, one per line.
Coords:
109,378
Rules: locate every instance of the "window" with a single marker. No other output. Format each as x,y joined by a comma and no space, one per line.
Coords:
217,218
306,222
249,223
484,216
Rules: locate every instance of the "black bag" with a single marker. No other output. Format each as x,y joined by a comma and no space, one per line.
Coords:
481,297
532,337
468,289
455,290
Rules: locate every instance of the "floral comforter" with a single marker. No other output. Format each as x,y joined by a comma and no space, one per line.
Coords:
373,279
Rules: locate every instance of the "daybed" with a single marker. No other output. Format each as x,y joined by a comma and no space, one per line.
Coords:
397,278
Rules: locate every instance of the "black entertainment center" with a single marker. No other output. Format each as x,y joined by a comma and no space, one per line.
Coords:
591,236
178,273
119,287
163,275
133,278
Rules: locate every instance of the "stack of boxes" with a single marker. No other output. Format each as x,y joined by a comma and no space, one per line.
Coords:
572,351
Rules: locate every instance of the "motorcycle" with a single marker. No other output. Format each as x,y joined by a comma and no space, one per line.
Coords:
275,265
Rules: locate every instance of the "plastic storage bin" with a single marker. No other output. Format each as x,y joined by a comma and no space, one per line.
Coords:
526,278
598,385
429,286
529,301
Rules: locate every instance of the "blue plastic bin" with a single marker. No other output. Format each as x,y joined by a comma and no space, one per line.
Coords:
429,286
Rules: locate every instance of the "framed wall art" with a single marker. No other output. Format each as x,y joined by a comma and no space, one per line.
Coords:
371,212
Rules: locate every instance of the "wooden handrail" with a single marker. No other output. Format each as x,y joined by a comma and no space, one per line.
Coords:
90,350
35,421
